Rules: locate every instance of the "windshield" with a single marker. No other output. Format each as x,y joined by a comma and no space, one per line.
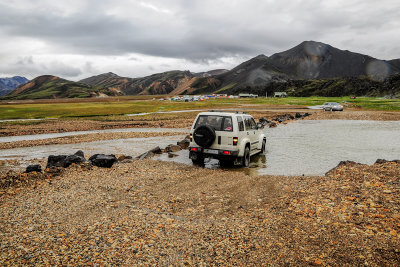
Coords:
219,123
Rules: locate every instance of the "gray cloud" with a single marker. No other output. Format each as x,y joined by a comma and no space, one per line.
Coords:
197,31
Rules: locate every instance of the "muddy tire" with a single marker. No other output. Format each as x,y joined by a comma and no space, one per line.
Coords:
199,161
225,163
246,157
204,136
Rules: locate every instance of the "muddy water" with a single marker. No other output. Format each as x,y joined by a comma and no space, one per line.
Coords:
315,147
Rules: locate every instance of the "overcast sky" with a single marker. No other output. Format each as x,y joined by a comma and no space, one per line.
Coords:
76,39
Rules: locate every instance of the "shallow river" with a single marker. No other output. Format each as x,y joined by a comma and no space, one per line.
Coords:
302,147
315,147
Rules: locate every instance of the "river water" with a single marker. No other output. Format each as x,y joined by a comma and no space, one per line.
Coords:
302,147
315,147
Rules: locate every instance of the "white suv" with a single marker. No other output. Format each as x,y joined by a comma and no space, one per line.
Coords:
227,136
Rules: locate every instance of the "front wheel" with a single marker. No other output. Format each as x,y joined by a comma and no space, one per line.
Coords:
263,147
246,157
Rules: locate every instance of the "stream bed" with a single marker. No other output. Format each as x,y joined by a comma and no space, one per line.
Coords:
307,147
314,147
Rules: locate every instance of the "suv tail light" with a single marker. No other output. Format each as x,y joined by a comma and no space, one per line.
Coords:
191,137
227,152
235,141
193,149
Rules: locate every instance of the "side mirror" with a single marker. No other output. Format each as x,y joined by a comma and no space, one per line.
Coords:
259,125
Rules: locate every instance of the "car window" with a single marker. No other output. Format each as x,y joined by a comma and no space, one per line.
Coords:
219,123
253,123
227,124
247,123
240,123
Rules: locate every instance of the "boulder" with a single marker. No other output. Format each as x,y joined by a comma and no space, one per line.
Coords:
172,148
55,161
272,124
101,160
150,153
184,143
124,157
34,168
298,115
76,159
80,153
146,155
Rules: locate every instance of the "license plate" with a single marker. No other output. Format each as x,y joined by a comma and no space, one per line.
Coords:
211,151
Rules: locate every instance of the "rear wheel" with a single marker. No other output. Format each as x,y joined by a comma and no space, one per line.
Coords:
246,157
225,163
198,161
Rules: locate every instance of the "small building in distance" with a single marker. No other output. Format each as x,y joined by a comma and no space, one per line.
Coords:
280,94
247,95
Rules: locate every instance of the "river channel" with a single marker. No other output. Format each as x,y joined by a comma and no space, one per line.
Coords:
302,147
315,147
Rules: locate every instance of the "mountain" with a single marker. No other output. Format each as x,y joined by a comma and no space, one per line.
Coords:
210,73
308,60
156,84
315,60
256,72
9,84
48,86
310,68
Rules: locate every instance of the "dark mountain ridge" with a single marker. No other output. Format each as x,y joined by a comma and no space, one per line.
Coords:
49,86
308,68
9,84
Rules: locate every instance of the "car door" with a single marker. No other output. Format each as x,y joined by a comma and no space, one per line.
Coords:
251,128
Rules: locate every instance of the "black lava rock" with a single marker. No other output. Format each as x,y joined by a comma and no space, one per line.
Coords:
33,168
101,160
73,159
55,161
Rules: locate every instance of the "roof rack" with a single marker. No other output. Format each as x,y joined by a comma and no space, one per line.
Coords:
228,111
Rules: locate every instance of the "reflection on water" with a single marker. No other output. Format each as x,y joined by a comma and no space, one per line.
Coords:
257,162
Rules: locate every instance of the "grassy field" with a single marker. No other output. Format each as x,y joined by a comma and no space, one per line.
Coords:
123,106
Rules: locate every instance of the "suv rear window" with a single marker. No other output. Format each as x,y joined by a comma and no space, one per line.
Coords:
219,123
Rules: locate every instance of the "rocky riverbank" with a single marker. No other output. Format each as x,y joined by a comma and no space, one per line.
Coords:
149,212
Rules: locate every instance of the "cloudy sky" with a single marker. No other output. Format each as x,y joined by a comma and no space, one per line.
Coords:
76,39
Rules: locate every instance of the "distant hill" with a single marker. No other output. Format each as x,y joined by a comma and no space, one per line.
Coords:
308,60
156,84
9,84
210,73
310,68
48,86
314,60
356,86
254,73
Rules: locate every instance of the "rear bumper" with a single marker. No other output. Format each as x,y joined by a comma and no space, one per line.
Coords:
212,153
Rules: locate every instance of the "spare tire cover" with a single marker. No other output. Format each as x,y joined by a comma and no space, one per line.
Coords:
204,135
